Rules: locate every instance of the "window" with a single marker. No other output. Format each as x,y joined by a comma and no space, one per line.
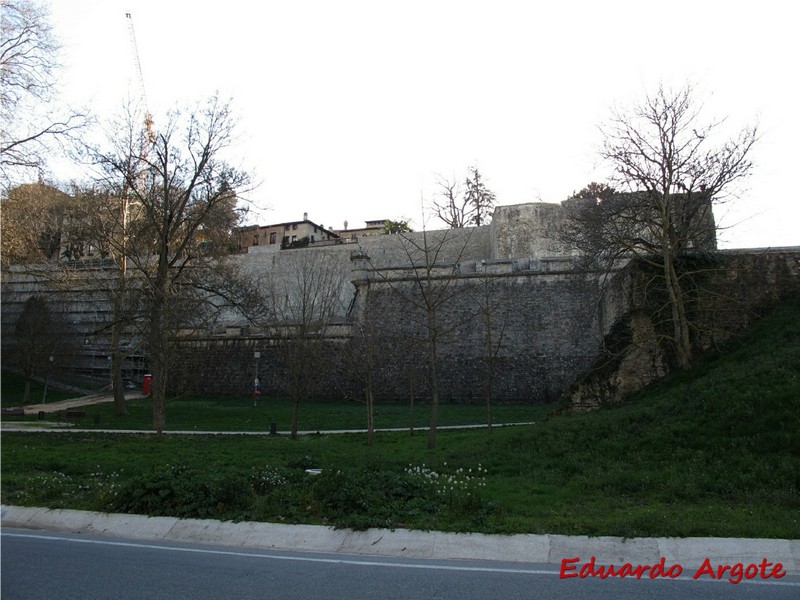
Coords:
294,226
255,240
294,238
273,237
287,228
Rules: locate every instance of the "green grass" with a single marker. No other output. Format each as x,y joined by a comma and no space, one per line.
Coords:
230,413
715,452
12,388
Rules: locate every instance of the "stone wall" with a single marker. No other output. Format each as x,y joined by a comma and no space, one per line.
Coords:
545,330
528,230
548,319
547,325
737,286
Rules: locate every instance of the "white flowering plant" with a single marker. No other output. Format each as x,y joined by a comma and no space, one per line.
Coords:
459,487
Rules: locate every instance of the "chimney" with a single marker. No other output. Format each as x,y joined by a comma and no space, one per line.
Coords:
305,216
345,225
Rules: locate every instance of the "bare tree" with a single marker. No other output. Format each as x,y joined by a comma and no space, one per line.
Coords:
360,358
302,302
429,288
181,186
473,206
452,207
492,311
372,341
103,225
31,121
95,249
672,172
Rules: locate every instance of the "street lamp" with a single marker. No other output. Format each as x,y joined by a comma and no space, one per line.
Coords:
47,378
256,383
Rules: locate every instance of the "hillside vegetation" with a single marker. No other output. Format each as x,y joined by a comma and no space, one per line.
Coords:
714,452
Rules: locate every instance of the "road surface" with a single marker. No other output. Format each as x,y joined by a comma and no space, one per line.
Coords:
47,565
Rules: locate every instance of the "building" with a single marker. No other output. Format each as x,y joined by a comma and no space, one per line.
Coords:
370,228
293,234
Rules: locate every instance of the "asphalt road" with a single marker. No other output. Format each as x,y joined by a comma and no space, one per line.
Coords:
44,565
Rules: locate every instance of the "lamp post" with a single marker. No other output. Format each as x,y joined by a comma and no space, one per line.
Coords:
47,378
256,382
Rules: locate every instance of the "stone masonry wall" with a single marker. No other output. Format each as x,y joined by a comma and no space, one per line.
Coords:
547,326
553,319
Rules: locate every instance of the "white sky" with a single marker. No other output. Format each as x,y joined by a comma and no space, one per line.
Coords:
349,109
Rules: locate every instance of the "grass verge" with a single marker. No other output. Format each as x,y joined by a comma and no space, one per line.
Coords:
231,413
711,453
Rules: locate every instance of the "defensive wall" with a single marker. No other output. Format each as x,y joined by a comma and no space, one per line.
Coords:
547,319
545,323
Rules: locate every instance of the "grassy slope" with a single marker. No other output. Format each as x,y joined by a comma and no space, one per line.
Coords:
714,452
12,388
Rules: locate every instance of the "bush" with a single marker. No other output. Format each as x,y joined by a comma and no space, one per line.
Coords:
182,492
365,498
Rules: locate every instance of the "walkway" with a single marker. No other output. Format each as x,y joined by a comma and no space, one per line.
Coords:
91,399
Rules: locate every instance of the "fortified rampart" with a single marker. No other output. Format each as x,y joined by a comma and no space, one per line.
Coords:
530,327
514,310
528,230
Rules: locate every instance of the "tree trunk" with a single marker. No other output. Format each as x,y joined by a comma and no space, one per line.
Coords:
295,412
489,386
157,351
680,323
370,415
411,403
490,369
159,395
117,358
434,382
26,395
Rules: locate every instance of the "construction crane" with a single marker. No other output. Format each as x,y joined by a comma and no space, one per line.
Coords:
148,118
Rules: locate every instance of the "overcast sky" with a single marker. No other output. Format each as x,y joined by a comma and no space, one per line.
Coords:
349,110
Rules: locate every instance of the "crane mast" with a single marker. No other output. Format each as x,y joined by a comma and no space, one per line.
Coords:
148,118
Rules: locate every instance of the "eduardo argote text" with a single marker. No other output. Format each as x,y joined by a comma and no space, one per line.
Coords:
572,567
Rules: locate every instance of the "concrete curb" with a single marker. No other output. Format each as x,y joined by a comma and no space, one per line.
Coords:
528,548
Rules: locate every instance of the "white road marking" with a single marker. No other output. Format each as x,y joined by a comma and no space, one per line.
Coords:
357,562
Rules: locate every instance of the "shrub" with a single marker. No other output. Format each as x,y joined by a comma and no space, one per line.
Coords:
182,492
365,498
